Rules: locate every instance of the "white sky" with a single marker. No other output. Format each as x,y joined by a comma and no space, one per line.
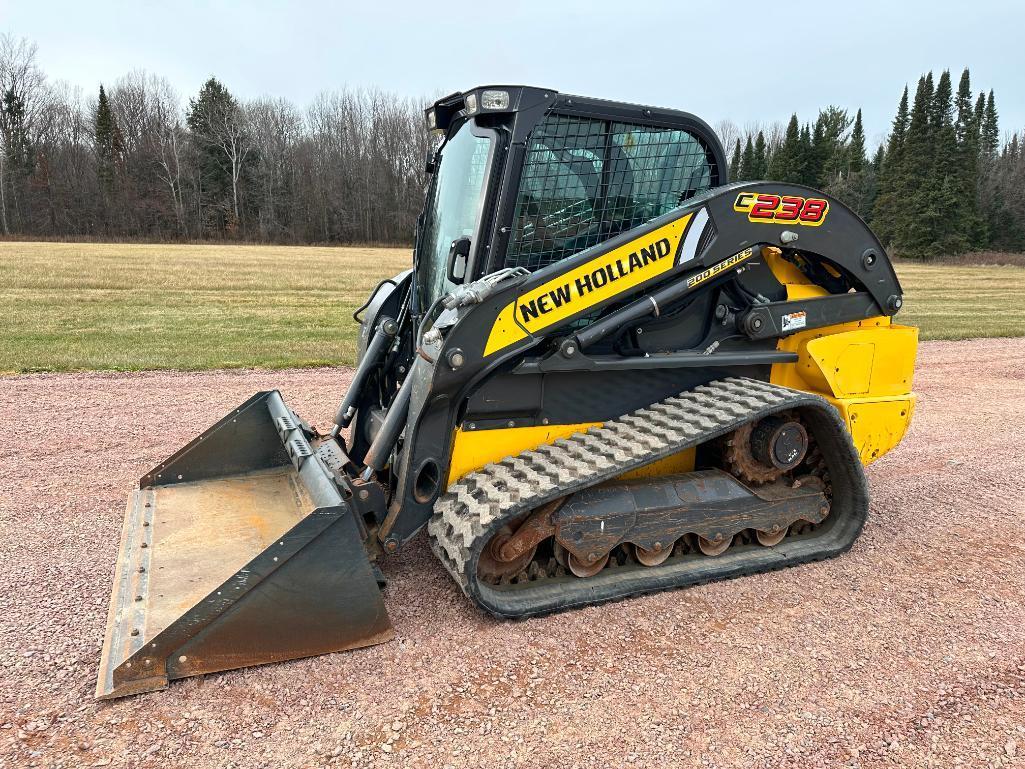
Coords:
713,59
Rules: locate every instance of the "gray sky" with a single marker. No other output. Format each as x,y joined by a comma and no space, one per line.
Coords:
714,59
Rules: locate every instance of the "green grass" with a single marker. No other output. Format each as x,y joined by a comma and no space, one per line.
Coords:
949,301
71,306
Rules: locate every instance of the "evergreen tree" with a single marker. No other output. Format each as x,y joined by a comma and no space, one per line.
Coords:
817,154
109,145
848,174
19,156
966,134
913,236
943,212
856,146
891,180
965,114
747,162
993,194
225,158
735,163
787,164
808,175
877,159
832,148
989,138
760,164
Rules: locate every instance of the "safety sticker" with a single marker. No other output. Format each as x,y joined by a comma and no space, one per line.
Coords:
795,320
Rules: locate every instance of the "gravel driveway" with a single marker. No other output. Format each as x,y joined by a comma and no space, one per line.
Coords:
909,651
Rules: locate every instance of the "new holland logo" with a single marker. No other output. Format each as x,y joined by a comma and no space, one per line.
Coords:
604,277
600,277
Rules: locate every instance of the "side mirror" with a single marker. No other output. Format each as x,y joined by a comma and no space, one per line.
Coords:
457,257
430,161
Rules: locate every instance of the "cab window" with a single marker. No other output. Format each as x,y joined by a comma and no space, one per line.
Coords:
586,180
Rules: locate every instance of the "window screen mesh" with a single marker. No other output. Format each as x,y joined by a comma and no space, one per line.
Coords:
586,180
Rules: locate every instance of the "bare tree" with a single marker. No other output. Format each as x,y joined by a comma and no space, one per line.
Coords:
277,130
165,143
23,95
728,133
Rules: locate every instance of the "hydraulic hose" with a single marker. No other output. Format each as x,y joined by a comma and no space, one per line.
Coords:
385,332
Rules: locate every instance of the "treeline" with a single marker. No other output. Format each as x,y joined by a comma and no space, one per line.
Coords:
942,183
135,161
138,161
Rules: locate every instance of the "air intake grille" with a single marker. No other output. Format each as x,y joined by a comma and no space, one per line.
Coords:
586,180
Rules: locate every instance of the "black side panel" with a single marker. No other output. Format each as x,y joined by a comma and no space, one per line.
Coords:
584,396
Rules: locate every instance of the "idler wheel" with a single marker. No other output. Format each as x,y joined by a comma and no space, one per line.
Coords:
779,442
490,566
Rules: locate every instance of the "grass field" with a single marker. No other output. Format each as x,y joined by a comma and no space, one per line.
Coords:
69,306
948,301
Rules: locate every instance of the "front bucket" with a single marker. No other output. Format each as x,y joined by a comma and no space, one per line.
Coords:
238,550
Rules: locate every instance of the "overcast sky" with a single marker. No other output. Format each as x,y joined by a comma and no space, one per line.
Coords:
714,59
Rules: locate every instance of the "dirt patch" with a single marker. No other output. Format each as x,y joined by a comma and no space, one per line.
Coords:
908,651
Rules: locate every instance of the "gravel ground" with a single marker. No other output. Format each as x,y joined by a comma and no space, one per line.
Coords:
909,651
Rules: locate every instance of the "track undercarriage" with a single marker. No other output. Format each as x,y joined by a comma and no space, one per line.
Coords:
556,527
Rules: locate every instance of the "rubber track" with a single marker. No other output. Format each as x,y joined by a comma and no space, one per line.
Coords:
477,506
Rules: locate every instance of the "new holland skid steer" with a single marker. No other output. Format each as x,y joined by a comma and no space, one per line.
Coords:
608,372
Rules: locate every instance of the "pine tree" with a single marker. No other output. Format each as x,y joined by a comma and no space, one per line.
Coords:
817,156
735,163
877,159
856,147
109,147
225,157
760,166
993,195
834,148
828,158
965,117
891,179
808,176
966,134
108,143
848,174
989,139
787,164
18,153
747,162
913,236
944,212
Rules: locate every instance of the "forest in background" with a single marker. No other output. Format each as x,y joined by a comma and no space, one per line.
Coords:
943,182
136,161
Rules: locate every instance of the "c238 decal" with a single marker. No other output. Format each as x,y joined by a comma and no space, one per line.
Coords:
766,208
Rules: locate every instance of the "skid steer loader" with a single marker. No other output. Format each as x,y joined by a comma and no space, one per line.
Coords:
608,372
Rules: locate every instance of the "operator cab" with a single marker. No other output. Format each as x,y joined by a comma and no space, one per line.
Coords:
525,177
